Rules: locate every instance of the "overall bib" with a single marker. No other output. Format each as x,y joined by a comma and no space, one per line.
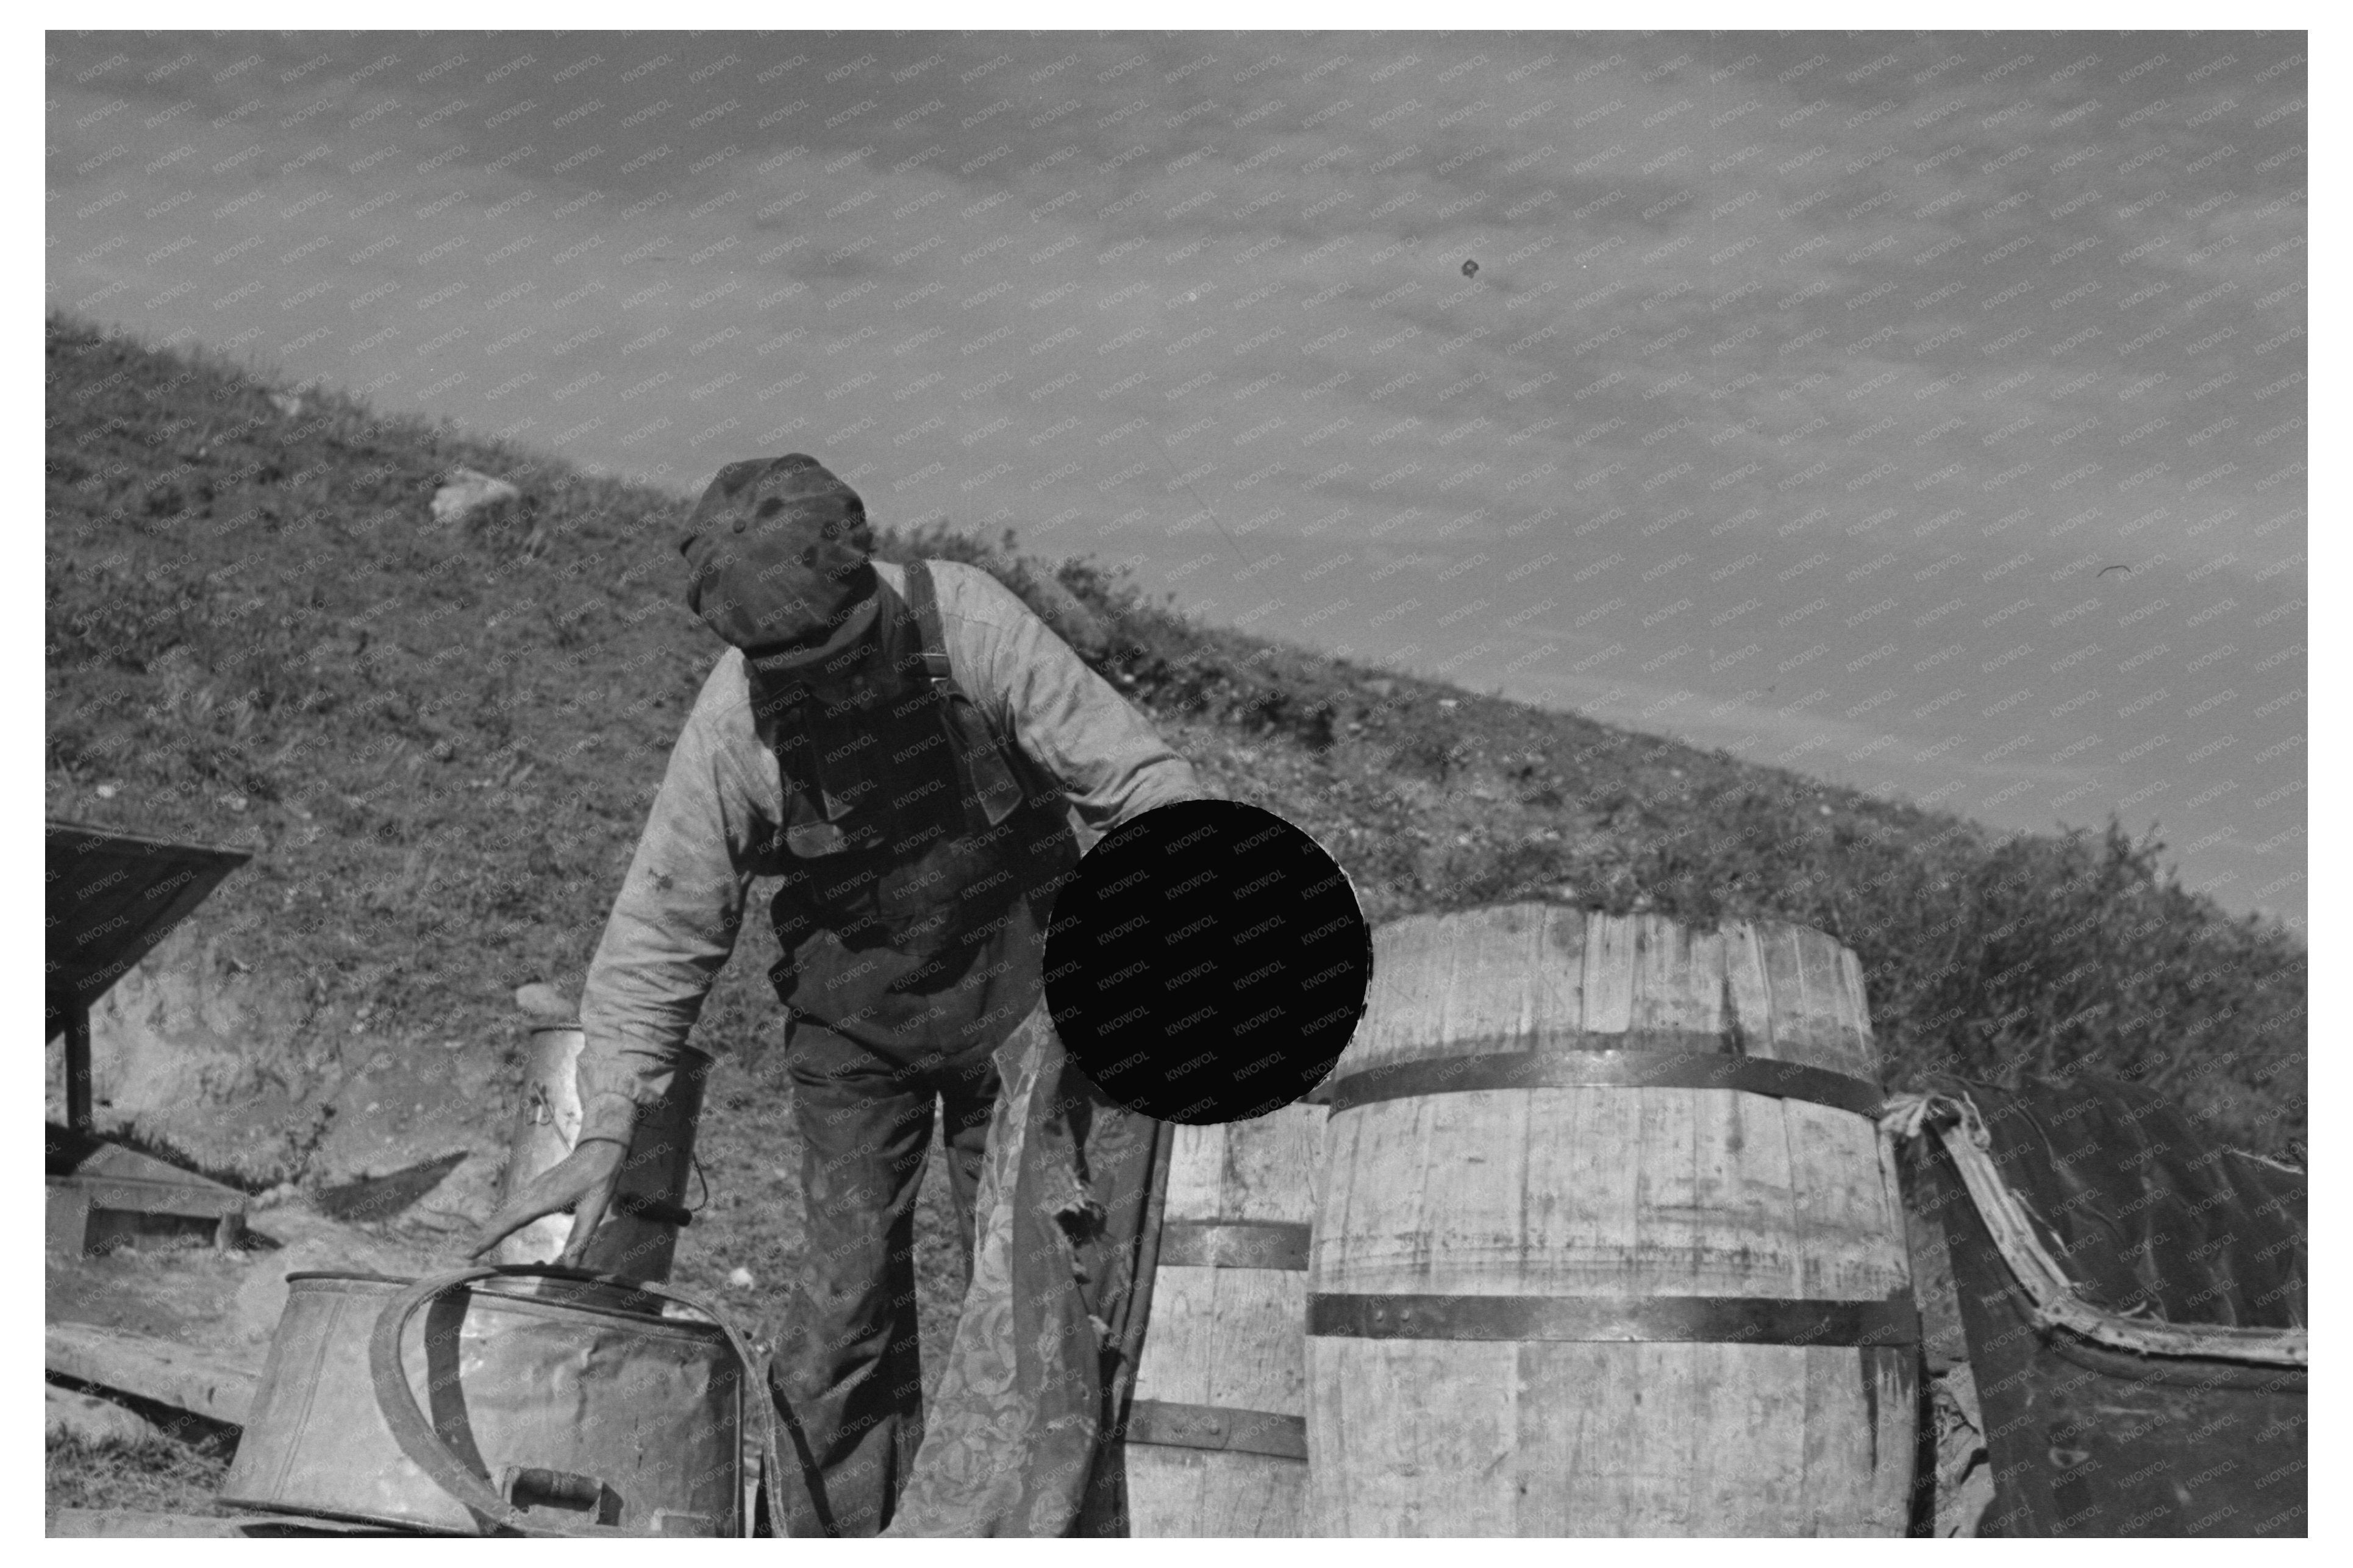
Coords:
920,857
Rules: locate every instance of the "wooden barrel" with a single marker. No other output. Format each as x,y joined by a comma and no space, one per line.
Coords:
1217,1432
1609,1243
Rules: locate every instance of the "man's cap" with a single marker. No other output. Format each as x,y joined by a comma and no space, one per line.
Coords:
780,561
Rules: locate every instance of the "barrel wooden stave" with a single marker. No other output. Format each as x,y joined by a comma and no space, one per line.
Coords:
1228,1339
1574,1454
1607,1192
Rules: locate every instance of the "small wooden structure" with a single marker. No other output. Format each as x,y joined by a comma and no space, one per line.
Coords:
111,896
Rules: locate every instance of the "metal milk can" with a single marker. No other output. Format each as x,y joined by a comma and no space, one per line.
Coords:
639,1234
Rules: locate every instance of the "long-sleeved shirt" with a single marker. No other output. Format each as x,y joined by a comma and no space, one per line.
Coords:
715,823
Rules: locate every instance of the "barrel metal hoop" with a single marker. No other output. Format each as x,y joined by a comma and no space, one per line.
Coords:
1233,1244
1162,1423
1681,1060
1720,1319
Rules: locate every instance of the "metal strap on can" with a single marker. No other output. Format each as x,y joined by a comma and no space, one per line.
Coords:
1716,1319
425,1448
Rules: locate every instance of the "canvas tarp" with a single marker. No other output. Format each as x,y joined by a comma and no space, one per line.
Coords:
2133,1300
1020,1438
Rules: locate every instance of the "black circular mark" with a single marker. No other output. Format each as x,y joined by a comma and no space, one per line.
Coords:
1470,270
1207,962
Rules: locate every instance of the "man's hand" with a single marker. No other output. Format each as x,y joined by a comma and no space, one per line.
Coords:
583,1182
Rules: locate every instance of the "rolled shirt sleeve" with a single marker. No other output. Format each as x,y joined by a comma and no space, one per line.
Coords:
1112,764
673,925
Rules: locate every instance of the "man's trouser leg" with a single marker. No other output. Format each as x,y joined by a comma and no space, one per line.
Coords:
849,1369
967,1102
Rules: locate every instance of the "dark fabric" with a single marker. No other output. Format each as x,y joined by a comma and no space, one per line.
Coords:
913,935
1020,1439
849,1370
851,1379
1104,1511
900,900
985,777
889,845
780,560
911,918
2149,1216
913,947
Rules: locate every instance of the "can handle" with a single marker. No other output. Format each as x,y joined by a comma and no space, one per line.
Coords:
424,1447
529,1486
661,1211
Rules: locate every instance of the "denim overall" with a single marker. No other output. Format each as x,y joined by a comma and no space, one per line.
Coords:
921,855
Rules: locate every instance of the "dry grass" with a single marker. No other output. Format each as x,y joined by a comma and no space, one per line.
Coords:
441,745
153,1474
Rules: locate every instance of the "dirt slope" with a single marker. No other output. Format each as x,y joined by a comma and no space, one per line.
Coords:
440,742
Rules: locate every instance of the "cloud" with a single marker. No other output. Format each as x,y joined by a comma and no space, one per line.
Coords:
1785,342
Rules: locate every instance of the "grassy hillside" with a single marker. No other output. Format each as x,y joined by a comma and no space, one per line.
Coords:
441,743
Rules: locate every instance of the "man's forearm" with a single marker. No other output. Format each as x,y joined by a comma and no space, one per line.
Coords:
672,930
611,1118
645,991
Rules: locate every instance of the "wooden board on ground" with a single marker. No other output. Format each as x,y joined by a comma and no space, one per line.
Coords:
186,1377
124,1522
92,1419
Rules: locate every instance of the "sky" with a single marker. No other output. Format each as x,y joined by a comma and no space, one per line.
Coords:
1922,412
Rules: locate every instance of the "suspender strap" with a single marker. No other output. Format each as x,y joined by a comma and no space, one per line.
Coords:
988,780
924,602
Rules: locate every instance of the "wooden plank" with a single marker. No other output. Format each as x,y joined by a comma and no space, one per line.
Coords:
1375,1242
1408,955
1749,991
1473,1196
79,1116
1259,1362
115,1161
117,1523
66,1222
204,1383
1749,1465
1811,1021
1229,1338
1410,1438
1269,1170
1608,985
1252,1496
1583,1183
1557,985
1605,1440
134,1197
1489,993
1197,1159
88,1417
1181,1342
